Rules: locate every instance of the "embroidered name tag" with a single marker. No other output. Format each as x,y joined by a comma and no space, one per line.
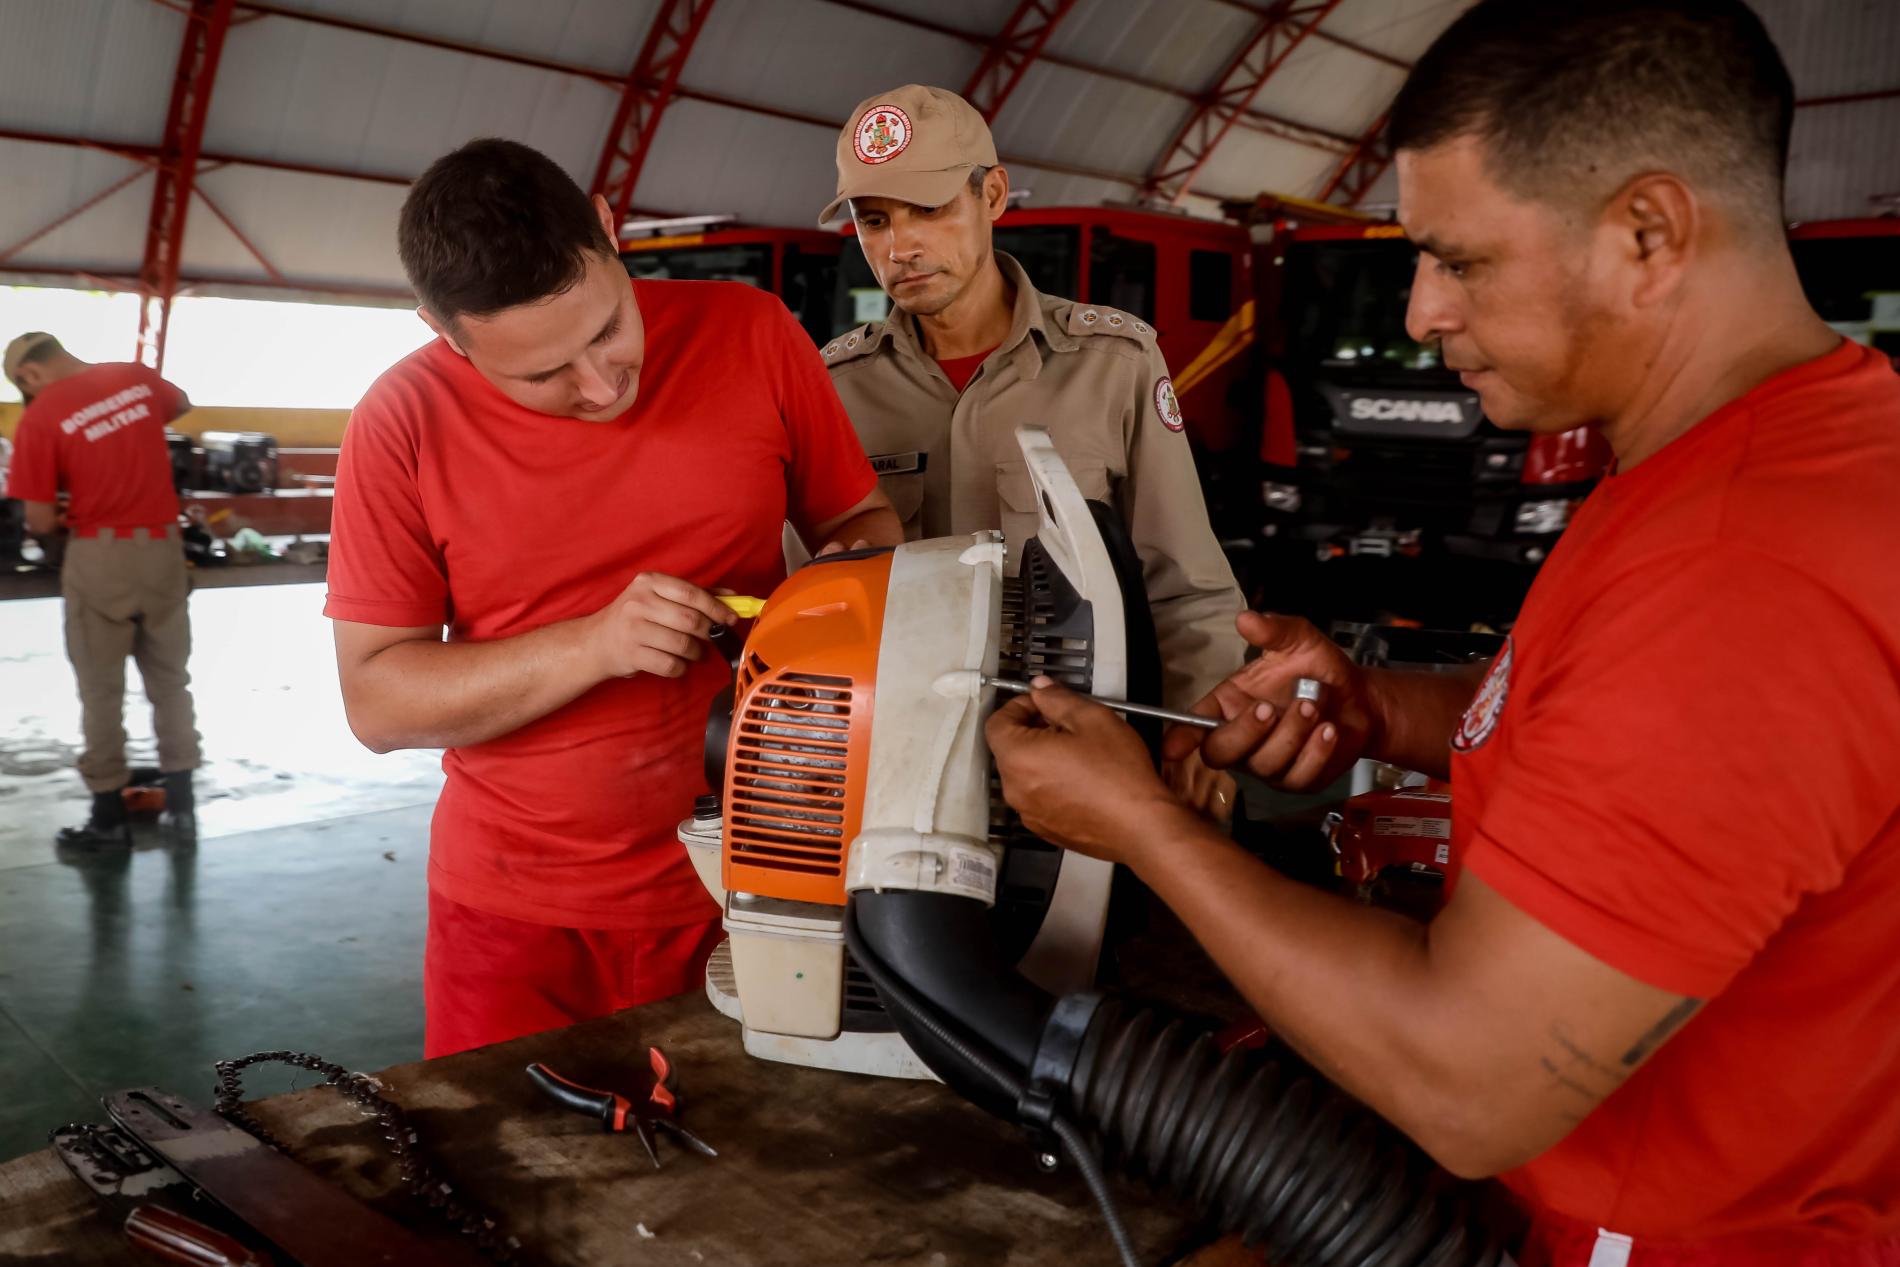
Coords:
899,463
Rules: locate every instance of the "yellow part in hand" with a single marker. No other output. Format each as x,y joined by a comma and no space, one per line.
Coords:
744,607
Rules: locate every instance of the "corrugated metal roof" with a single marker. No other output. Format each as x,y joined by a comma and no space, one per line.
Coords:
816,58
351,100
108,238
99,68
718,161
1067,117
1186,44
293,90
604,34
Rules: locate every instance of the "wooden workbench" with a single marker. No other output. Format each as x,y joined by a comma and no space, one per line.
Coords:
814,1167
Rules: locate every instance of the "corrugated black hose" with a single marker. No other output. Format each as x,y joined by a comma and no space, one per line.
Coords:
978,1058
1255,1140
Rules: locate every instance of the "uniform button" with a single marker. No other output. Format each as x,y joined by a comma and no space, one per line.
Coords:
1140,328
831,349
851,342
1090,316
1115,319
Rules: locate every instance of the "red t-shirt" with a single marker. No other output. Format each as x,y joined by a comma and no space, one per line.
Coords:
100,436
456,506
961,369
1686,763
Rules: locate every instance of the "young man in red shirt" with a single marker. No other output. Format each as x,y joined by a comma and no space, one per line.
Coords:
561,479
97,434
1662,1000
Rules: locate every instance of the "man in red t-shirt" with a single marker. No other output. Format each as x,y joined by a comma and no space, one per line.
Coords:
1661,1001
96,433
560,479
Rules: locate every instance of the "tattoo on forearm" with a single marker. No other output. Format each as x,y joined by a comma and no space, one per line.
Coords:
1558,1078
1575,1070
1659,1033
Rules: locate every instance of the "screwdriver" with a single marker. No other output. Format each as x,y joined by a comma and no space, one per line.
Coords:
743,606
1119,705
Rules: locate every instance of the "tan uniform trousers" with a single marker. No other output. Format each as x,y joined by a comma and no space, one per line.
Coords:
126,596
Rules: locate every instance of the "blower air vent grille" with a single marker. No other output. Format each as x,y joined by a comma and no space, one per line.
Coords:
1038,634
788,774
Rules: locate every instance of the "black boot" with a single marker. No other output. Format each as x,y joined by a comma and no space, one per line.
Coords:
181,807
108,827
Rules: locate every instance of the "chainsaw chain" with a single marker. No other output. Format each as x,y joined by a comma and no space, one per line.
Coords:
418,1176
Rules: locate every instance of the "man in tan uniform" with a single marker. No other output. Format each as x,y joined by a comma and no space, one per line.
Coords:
971,351
97,434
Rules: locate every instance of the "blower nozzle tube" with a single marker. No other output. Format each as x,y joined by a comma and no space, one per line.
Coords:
1257,1141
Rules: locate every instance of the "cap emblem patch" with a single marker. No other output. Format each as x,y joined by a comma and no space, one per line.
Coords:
883,132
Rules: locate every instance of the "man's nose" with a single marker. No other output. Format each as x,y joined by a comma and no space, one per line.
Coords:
596,384
1432,312
905,245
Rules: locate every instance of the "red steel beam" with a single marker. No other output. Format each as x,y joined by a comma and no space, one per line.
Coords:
1298,133
176,169
649,89
1012,52
131,285
1841,99
67,216
1284,29
1362,168
269,268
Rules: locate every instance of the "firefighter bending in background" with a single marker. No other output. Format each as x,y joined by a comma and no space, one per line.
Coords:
97,434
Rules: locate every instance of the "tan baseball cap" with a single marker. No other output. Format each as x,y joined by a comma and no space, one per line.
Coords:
915,144
17,350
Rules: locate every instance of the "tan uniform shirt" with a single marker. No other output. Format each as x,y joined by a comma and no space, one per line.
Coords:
1095,379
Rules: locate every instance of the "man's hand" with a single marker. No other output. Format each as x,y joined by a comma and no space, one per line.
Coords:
1298,745
659,625
1209,791
1077,774
871,522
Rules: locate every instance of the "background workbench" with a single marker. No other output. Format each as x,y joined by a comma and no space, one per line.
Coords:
815,1167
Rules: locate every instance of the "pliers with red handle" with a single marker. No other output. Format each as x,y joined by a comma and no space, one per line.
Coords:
659,1107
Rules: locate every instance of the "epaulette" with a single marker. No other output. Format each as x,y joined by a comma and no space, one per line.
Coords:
850,345
1084,319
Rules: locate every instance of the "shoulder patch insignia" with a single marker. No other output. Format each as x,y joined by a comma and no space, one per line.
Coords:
1167,406
1481,719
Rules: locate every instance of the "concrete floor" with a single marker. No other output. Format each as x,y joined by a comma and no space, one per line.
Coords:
296,921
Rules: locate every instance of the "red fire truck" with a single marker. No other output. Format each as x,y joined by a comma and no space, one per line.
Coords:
798,265
1368,444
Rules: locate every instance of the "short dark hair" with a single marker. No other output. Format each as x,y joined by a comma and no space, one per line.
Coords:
1572,99
494,225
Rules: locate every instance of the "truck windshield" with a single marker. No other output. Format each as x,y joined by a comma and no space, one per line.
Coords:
1344,307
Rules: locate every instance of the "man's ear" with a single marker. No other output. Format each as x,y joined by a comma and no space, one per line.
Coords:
606,214
996,192
442,328
1658,220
